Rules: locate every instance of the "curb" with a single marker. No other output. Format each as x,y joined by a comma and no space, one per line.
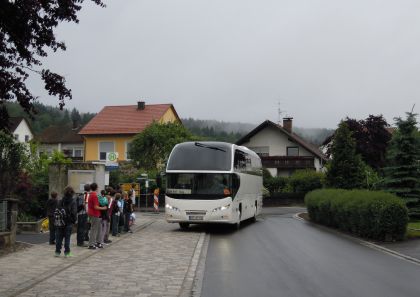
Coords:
190,277
27,286
364,242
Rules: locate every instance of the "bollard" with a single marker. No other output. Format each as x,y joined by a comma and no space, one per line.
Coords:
156,199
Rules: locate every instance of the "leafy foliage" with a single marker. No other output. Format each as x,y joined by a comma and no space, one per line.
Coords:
26,35
152,147
303,181
402,174
346,169
371,214
371,137
12,161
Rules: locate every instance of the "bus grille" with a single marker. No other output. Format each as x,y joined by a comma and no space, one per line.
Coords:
196,212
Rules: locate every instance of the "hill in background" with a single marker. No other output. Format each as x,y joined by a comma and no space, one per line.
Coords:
208,129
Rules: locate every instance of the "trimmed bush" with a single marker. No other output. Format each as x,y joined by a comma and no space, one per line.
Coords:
370,214
306,180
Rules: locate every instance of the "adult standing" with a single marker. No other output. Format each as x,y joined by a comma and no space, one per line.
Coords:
63,229
51,206
94,213
133,194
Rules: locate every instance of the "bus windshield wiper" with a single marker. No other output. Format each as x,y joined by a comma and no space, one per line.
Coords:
209,147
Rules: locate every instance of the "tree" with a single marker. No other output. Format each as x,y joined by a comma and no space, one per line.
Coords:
402,174
151,147
346,167
26,35
371,138
12,160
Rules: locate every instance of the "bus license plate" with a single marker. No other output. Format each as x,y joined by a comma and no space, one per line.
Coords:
196,218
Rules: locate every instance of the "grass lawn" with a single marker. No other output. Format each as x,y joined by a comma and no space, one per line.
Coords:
413,233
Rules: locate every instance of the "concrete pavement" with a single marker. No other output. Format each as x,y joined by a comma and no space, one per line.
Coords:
156,260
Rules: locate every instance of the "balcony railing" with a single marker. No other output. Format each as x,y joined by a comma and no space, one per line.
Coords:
292,162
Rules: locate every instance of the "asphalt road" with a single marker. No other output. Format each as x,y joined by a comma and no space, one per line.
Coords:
281,256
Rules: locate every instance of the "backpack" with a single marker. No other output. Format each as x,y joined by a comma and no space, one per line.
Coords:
79,202
60,215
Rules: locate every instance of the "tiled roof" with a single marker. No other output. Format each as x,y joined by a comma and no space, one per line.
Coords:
125,119
59,134
14,123
292,136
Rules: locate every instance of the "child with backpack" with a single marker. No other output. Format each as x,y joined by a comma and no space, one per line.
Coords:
65,215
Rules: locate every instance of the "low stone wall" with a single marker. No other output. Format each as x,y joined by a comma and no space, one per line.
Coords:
32,227
6,240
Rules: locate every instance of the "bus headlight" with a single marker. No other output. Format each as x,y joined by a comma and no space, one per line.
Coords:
221,208
170,207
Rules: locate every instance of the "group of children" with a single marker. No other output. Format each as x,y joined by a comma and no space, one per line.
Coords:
98,214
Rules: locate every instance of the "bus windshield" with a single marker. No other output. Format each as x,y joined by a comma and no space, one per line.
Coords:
201,185
210,156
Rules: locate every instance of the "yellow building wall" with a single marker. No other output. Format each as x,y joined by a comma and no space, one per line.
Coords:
169,116
92,146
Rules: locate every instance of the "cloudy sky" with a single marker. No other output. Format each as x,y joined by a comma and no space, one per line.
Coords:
235,60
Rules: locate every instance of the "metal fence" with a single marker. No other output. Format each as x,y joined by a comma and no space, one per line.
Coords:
3,216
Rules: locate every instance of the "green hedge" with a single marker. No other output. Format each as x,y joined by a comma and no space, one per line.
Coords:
370,214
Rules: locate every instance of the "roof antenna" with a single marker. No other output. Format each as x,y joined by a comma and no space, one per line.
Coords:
280,112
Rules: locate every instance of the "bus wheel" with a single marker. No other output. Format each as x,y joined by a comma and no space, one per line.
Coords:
184,226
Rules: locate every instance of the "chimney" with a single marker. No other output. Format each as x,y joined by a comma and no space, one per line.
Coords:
287,124
140,105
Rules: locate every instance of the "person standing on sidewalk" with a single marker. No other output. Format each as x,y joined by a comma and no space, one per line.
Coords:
115,210
82,217
63,229
128,209
94,212
132,194
51,206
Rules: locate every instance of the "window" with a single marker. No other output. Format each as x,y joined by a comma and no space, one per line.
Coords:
127,150
293,151
68,153
26,138
261,151
77,153
105,147
16,136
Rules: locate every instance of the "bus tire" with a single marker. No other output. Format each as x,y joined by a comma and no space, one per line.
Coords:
184,226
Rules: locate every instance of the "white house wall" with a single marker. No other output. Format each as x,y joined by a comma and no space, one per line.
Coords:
22,130
276,141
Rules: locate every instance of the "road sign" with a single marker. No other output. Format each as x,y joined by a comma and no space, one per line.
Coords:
111,162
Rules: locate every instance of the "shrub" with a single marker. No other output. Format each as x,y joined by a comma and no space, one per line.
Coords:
275,184
370,214
303,181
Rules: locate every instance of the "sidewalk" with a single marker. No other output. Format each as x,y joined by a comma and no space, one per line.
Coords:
156,260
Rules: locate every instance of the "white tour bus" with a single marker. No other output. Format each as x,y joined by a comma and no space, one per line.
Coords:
212,182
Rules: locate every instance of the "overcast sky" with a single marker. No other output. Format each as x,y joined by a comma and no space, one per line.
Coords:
234,60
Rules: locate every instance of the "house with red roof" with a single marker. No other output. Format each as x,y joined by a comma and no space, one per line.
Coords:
114,127
281,150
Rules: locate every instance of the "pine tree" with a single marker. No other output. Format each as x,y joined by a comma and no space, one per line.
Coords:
402,174
346,169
